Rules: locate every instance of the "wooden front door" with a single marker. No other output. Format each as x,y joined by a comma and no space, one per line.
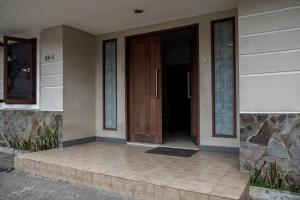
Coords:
144,89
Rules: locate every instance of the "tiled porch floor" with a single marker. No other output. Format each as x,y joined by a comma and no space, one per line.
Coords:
126,169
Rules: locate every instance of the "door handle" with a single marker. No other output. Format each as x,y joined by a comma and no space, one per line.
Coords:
188,86
156,83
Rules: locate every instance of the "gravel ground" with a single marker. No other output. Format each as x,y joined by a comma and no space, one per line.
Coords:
16,185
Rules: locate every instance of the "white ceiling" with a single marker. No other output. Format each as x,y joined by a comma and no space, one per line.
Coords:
99,16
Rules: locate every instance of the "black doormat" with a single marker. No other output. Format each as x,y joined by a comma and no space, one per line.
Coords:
172,151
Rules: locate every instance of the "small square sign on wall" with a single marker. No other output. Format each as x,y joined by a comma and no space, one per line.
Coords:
50,58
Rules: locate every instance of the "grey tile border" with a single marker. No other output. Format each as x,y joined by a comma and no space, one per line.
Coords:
123,141
69,143
220,149
112,140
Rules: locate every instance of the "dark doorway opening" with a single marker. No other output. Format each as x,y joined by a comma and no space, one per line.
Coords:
177,61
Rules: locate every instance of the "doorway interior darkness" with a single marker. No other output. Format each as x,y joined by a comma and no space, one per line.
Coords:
162,87
176,64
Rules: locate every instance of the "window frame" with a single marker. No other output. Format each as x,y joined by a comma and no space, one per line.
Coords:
103,83
8,100
2,46
214,134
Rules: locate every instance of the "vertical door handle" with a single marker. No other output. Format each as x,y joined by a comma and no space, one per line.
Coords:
156,83
188,85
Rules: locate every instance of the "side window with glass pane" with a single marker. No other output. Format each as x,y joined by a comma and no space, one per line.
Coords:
223,77
1,72
110,84
19,70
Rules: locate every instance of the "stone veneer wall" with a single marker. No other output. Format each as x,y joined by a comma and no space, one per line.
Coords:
22,122
271,136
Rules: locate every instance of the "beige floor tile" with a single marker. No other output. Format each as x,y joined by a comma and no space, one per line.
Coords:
84,177
200,187
174,181
227,192
121,186
186,195
210,178
40,168
235,172
234,181
245,195
143,191
68,174
165,193
102,181
126,163
217,198
153,178
28,166
53,171
18,163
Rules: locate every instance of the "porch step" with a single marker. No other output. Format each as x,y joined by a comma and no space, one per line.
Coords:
69,165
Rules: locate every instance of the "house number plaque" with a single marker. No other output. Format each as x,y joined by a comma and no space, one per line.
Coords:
50,57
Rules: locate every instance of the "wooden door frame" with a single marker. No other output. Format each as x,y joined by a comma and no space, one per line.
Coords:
194,27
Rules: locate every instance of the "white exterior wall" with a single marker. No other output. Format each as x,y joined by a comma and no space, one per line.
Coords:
269,47
204,73
67,81
52,70
79,84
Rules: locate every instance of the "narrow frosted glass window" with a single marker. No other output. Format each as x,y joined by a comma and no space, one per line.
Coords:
110,84
223,76
1,72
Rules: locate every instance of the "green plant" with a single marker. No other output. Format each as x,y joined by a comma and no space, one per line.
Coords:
275,177
254,173
47,139
40,138
25,142
270,176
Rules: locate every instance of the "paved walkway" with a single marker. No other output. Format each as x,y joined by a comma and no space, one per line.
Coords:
16,186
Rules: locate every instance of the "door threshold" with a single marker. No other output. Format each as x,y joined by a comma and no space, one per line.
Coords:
143,144
159,145
179,147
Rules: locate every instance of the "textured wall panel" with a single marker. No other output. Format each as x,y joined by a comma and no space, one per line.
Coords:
52,98
52,69
250,7
270,93
271,62
52,81
285,19
278,41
